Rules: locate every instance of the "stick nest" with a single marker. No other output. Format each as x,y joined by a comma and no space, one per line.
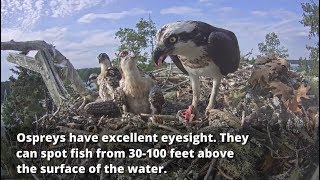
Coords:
283,141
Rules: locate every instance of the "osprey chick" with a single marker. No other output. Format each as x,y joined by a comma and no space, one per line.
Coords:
142,95
91,84
198,49
108,79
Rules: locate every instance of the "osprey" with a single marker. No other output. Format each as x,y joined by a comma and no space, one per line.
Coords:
108,79
198,49
140,91
91,84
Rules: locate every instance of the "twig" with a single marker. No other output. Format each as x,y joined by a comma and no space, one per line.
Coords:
248,54
69,130
269,135
185,173
100,120
274,152
297,159
39,145
165,127
176,85
4,168
211,170
57,147
124,129
33,175
158,70
102,173
315,174
169,74
43,117
243,115
74,176
224,174
165,164
55,113
168,117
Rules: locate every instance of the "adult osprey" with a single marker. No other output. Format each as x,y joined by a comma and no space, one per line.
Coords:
198,49
108,79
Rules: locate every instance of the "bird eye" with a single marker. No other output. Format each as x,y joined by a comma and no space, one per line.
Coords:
172,39
123,53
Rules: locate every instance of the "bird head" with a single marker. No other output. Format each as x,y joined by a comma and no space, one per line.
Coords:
127,59
104,59
92,78
177,38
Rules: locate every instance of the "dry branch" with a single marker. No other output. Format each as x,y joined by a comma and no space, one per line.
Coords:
58,58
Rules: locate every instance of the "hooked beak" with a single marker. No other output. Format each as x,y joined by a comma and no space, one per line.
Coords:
132,55
160,54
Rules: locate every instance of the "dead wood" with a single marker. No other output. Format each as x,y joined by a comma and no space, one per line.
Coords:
59,59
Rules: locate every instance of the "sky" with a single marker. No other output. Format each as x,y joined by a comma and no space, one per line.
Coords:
81,29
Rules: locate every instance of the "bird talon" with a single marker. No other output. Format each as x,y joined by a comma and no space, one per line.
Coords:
188,114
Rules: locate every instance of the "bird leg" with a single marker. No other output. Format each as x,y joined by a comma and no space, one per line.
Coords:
215,87
195,84
192,109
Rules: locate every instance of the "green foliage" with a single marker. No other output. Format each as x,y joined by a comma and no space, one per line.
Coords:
303,66
85,72
5,90
148,30
68,85
9,160
271,46
138,40
308,67
27,100
311,20
314,84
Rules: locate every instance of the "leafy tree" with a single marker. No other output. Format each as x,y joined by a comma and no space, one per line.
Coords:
311,20
271,46
303,66
148,31
84,73
138,40
5,90
28,98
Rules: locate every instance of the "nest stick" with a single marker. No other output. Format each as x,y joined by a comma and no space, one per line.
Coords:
176,85
168,117
211,170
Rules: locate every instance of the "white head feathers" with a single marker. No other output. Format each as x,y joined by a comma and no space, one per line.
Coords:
175,28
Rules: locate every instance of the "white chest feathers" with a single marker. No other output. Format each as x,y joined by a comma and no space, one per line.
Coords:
209,70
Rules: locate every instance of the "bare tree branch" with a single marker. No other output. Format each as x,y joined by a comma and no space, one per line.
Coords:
58,58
